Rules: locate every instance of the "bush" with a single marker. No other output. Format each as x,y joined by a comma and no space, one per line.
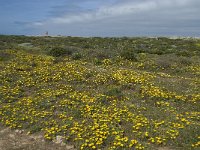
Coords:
184,60
184,53
4,56
86,46
129,54
77,56
158,51
59,51
142,56
114,91
97,61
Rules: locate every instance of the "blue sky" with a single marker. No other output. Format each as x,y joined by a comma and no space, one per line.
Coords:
101,17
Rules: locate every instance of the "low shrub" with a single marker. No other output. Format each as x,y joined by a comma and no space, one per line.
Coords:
97,61
184,53
129,54
114,91
77,56
60,51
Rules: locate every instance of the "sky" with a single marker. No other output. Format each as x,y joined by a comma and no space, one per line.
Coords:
106,18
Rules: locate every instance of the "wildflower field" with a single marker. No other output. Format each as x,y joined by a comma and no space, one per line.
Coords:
103,93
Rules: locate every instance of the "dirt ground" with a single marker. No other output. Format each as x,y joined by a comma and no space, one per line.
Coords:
19,140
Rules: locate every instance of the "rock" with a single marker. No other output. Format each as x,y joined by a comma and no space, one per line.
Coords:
37,137
19,131
68,147
59,139
11,136
63,144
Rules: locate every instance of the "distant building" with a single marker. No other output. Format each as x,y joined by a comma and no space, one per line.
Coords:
47,33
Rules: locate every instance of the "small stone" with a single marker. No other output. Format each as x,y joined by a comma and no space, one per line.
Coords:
11,136
63,144
19,131
37,137
68,147
59,139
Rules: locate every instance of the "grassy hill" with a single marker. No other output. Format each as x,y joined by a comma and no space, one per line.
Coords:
103,93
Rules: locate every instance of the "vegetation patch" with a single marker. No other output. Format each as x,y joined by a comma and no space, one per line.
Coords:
138,100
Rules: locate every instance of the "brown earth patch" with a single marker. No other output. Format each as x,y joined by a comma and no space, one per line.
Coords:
19,140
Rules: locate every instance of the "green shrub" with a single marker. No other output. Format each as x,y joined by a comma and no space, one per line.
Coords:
142,56
77,56
185,53
97,61
158,51
129,54
4,56
114,91
185,60
59,51
34,129
86,46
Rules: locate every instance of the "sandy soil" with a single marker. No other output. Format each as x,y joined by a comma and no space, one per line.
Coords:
19,140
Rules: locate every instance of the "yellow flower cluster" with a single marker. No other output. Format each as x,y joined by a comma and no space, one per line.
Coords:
68,99
197,144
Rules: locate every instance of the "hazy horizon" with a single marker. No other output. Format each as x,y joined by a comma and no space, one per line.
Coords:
105,18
